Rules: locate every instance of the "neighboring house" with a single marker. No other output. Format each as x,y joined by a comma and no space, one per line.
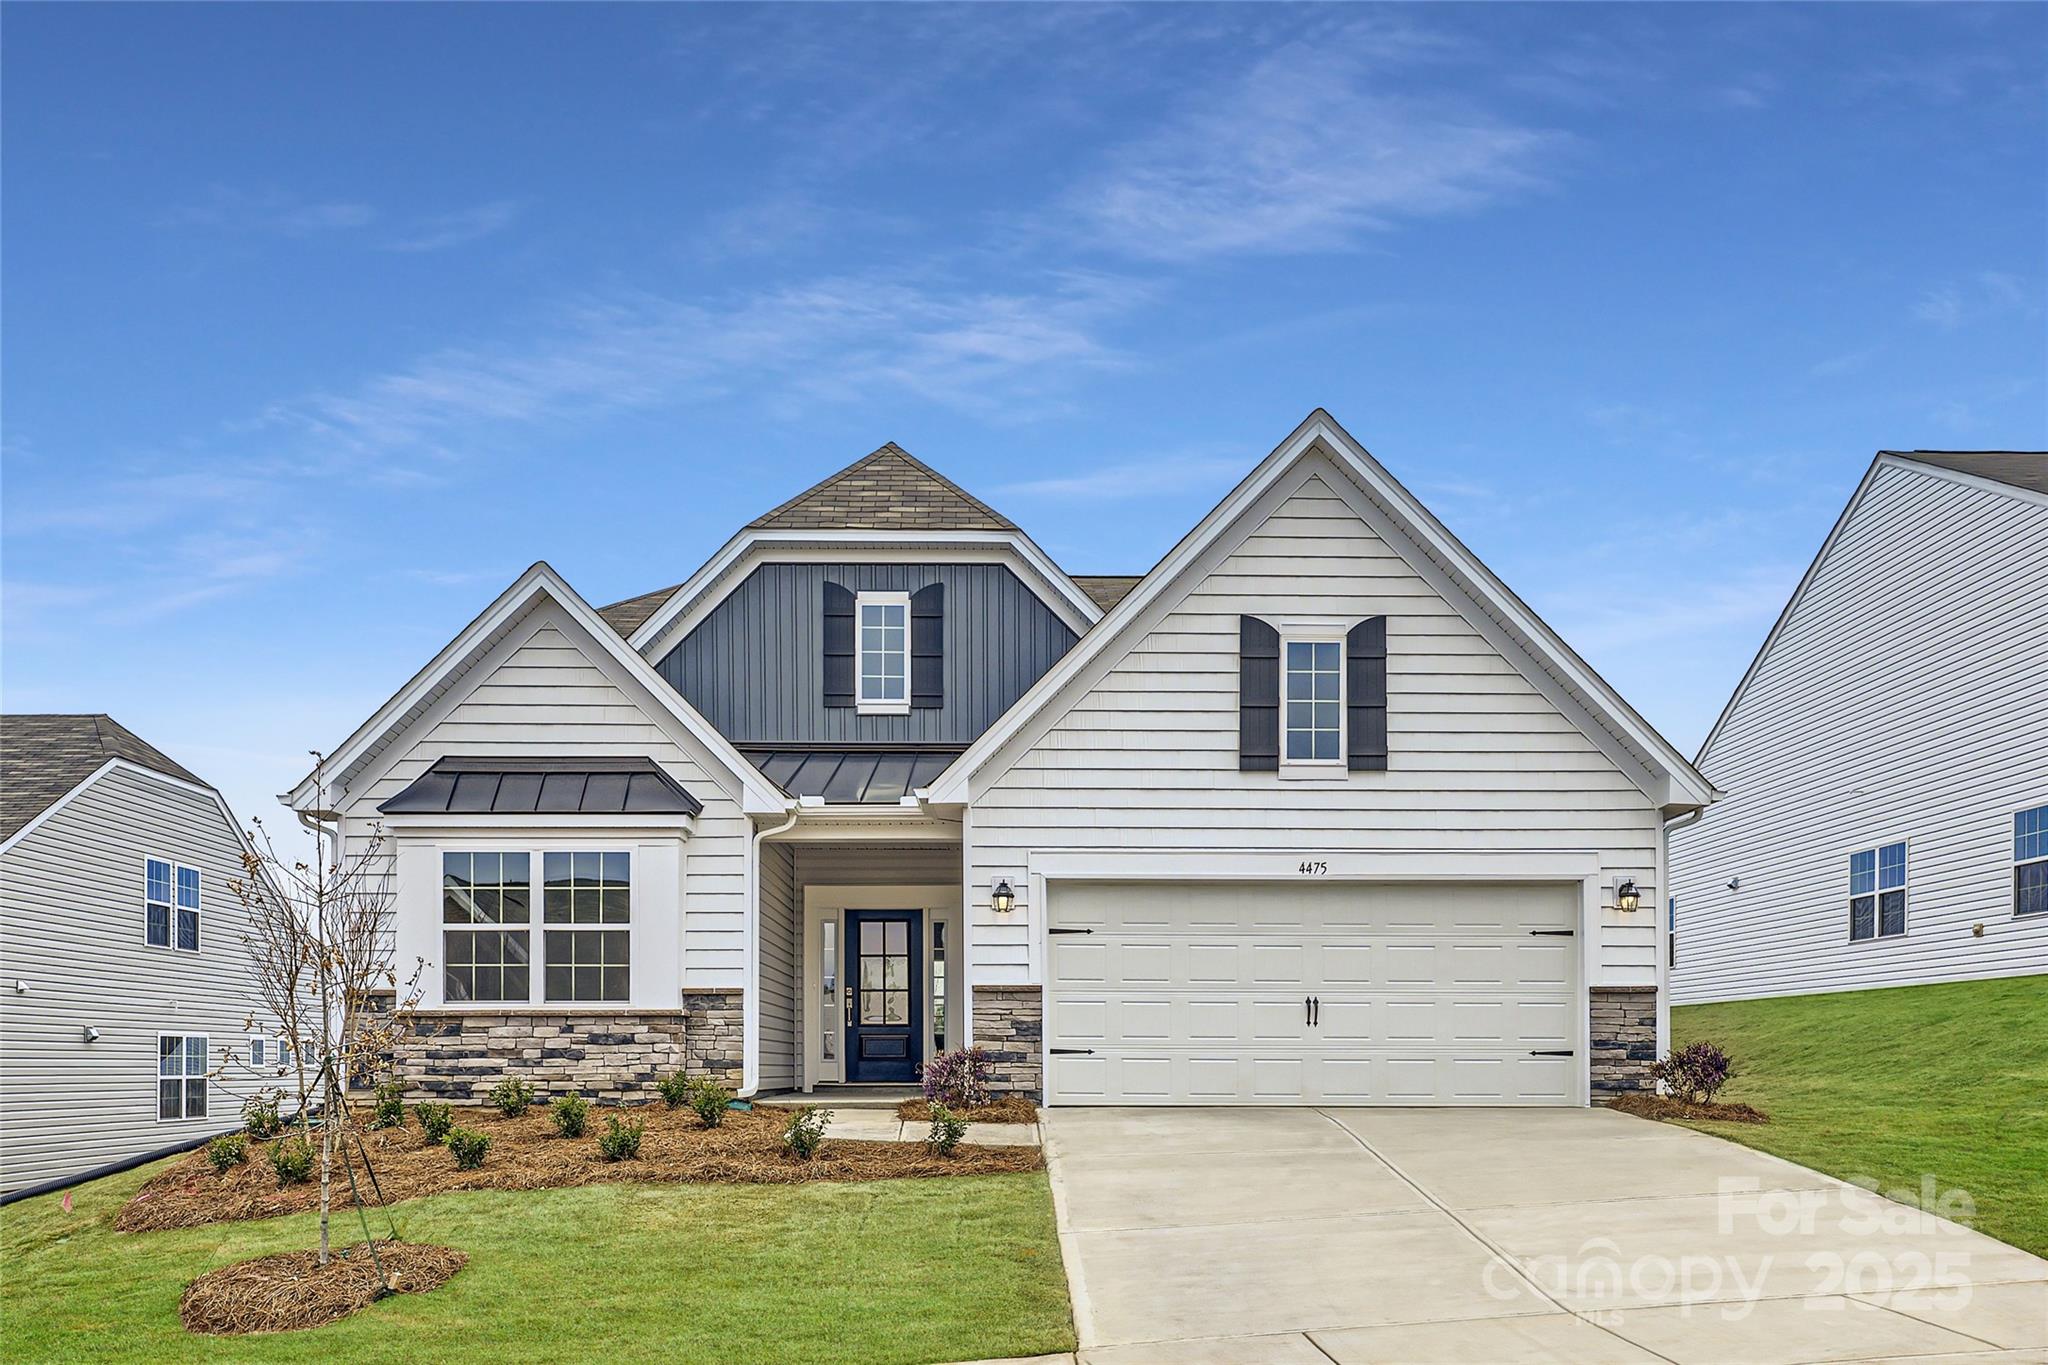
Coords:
1886,755
1315,811
125,987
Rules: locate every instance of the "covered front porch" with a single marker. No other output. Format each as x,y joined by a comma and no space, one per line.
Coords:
860,971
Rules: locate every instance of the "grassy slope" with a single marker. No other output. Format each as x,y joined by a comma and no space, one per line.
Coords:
904,1270
1949,1081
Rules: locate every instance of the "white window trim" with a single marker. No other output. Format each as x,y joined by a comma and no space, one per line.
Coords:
535,923
863,703
1317,767
157,1078
2018,863
1877,894
171,907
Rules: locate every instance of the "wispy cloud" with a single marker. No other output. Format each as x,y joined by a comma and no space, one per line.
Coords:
1941,308
1138,478
1985,294
455,229
1600,618
1307,151
270,212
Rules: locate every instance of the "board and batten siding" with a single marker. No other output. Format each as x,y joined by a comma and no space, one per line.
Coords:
1147,757
1905,697
71,932
541,693
754,666
781,966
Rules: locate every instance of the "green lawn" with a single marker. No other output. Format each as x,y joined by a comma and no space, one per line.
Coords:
900,1270
1949,1081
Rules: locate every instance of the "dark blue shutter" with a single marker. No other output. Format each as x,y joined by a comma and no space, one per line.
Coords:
928,647
1258,696
838,636
1365,699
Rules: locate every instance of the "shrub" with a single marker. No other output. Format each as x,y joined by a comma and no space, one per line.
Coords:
292,1159
512,1096
259,1116
676,1089
709,1099
569,1114
435,1119
620,1141
390,1106
1694,1073
229,1149
947,1130
958,1080
468,1146
805,1132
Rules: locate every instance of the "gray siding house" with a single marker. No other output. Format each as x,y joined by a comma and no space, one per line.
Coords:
1885,758
125,990
1315,810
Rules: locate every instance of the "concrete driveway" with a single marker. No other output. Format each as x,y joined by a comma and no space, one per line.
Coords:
1219,1236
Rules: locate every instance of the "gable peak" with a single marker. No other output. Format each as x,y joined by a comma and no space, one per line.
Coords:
887,490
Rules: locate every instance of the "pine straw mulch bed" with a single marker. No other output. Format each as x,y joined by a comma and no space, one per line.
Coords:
527,1154
290,1291
1665,1107
1002,1109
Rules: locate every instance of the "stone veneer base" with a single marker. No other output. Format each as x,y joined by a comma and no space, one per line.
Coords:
614,1055
1622,1034
1009,1025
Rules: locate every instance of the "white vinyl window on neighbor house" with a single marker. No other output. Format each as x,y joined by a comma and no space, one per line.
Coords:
181,1067
1312,702
170,905
2030,861
586,938
884,657
1877,892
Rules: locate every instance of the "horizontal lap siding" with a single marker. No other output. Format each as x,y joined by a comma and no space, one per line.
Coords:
71,929
1148,757
546,697
1902,699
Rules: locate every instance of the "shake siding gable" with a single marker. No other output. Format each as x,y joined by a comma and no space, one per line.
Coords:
544,691
1900,699
1147,755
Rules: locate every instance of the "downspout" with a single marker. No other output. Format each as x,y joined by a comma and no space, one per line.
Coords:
1664,924
750,992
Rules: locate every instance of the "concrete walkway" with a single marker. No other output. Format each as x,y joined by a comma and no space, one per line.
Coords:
1275,1236
882,1125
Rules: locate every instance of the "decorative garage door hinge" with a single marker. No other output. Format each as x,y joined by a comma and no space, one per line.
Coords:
1073,1051
1070,931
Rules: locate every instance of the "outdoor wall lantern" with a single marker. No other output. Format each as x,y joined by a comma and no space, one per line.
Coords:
1626,897
1003,898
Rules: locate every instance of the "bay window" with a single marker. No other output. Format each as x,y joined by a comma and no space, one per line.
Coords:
487,903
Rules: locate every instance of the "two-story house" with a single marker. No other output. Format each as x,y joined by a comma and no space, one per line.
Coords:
1316,810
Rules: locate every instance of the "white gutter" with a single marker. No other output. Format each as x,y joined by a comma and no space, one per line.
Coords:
750,990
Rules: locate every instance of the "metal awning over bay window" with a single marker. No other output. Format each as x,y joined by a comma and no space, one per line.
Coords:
543,786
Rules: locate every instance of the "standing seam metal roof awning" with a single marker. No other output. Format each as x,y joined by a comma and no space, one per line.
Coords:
852,777
544,786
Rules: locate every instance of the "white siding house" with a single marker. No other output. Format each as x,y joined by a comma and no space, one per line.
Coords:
1885,760
125,987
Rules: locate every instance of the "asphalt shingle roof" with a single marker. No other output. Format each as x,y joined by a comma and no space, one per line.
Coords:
628,616
1105,590
2020,468
889,490
44,756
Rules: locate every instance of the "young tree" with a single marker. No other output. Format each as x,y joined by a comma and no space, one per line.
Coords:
316,938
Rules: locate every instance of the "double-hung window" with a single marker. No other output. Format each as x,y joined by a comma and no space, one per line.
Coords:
181,1067
588,906
1877,892
1312,709
2030,862
170,905
490,957
883,619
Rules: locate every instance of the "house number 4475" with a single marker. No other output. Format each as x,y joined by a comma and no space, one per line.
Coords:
1313,869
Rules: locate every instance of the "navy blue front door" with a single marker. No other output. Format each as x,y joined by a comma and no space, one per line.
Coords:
884,1008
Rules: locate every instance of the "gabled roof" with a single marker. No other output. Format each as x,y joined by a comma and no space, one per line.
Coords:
889,490
43,757
2026,469
1105,590
1632,742
625,617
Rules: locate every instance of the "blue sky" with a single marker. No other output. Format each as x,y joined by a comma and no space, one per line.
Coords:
323,322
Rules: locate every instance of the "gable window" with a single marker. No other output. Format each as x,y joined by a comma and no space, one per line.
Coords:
594,892
170,901
1312,714
2030,862
1877,892
180,1076
487,958
883,620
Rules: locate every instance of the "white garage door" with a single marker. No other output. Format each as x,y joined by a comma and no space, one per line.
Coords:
1313,993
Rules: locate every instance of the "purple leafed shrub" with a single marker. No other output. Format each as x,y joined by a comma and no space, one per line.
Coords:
1694,1073
958,1080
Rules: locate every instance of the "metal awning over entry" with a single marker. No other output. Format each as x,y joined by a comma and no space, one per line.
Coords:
851,777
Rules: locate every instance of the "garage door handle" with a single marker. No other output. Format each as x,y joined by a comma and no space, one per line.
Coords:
1533,933
1070,931
1554,1052
1073,1051
1315,1010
